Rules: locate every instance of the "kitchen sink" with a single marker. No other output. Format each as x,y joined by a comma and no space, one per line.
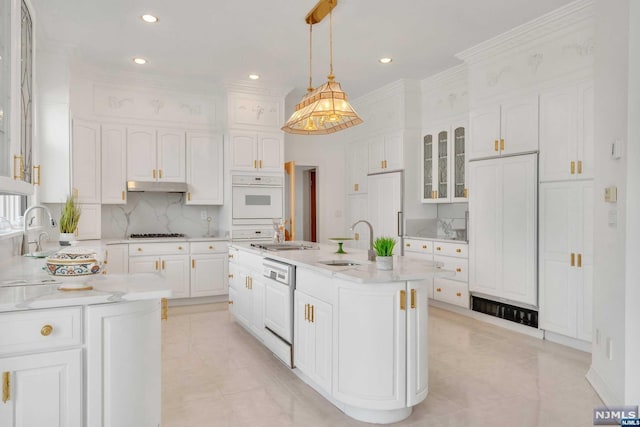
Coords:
41,254
29,282
341,262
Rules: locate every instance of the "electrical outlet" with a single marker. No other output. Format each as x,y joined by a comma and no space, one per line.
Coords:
597,336
203,214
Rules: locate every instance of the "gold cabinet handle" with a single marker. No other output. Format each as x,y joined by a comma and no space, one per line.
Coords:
6,386
46,330
313,314
403,300
458,294
255,164
122,195
306,312
408,245
160,173
179,248
573,259
188,196
459,270
356,187
381,164
36,175
165,309
579,166
458,250
229,302
250,282
193,263
156,265
210,247
465,193
572,167
502,145
579,260
413,298
424,246
153,174
495,145
357,236
230,256
438,248
139,249
18,171
230,276
438,289
260,164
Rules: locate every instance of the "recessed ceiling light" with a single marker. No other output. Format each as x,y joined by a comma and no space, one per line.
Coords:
149,18
385,60
140,61
254,76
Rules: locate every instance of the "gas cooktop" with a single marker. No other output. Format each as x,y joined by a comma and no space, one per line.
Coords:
290,246
156,236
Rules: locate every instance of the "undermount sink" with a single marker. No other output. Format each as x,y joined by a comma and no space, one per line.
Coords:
41,254
30,282
341,262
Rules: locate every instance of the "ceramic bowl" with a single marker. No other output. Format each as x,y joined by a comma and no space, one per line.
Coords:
76,262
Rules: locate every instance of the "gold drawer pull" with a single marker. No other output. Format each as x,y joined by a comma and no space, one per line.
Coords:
188,196
356,187
579,166
46,330
573,259
459,270
438,289
164,314
306,312
36,175
156,265
438,248
193,263
408,245
579,260
179,248
163,264
573,167
159,173
230,256
122,195
465,193
210,248
139,249
230,276
153,174
502,145
229,302
458,294
413,298
495,145
403,300
424,246
6,386
458,250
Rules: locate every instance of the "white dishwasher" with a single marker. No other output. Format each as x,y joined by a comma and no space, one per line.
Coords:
279,281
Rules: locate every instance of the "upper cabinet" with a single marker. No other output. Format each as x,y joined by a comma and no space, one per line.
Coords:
155,155
205,166
85,161
356,167
114,164
444,163
257,152
386,152
504,129
566,133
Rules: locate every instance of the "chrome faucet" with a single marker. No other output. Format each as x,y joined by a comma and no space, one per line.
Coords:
371,254
25,236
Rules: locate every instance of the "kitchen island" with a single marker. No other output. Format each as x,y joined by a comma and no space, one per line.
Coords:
359,334
79,358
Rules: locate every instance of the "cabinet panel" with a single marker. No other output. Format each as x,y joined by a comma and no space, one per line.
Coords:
141,154
117,259
114,164
428,174
519,126
557,134
417,341
458,170
85,161
356,167
205,168
393,151
376,154
484,131
90,222
586,120
208,275
244,151
144,264
176,269
170,156
270,153
451,292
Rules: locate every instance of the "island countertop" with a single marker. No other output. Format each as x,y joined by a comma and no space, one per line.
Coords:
25,285
404,268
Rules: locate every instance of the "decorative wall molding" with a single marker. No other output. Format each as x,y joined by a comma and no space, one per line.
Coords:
534,62
585,48
494,77
261,111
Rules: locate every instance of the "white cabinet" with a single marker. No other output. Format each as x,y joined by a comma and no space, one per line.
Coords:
505,129
169,259
114,164
123,364
357,205
247,291
116,259
566,258
444,163
566,133
90,223
257,151
502,228
356,167
155,155
417,341
205,168
209,269
386,152
385,204
85,161
313,331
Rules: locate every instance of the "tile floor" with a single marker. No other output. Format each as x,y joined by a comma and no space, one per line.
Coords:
216,374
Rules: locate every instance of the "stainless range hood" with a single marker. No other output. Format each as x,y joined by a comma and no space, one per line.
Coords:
158,186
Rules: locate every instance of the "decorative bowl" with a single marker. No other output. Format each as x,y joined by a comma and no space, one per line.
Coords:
73,262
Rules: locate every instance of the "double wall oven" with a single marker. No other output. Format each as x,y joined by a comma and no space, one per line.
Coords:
256,200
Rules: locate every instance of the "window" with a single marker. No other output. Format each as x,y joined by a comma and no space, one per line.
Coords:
26,89
5,84
11,207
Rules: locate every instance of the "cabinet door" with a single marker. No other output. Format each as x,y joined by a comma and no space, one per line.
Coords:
376,154
205,168
519,126
303,350
357,209
257,306
171,161
141,154
176,270
585,267
90,223
209,275
123,364
586,120
371,338
428,173
144,264
484,132
45,390
393,152
356,167
385,203
458,167
243,302
270,153
244,151
85,161
558,134
114,165
117,259
417,341
441,164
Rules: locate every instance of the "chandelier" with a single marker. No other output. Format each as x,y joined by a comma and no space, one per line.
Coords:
325,109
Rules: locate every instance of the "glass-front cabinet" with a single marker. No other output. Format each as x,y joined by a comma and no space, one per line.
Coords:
444,164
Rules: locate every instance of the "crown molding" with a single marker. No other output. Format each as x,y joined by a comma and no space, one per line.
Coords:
455,74
572,15
251,88
397,87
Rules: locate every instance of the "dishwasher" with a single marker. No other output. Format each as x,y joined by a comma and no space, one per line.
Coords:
280,284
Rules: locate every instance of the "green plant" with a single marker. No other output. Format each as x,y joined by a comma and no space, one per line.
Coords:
384,246
69,217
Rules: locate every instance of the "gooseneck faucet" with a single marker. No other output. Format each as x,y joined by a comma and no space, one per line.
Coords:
25,236
371,254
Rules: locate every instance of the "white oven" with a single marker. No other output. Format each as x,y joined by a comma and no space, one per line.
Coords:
256,199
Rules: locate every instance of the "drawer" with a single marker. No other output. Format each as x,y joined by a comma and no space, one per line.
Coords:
208,247
451,292
176,248
418,246
451,249
40,330
459,265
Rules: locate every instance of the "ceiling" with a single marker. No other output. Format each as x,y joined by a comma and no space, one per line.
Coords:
225,40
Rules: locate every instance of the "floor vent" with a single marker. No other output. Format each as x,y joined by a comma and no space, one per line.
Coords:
509,312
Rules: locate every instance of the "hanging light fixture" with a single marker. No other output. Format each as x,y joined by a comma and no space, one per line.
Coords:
325,109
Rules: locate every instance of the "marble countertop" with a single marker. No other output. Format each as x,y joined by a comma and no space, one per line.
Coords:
404,268
24,285
437,239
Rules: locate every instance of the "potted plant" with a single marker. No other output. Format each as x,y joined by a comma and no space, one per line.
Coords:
384,252
68,221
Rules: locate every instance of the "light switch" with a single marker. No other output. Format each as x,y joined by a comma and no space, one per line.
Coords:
613,217
616,149
611,194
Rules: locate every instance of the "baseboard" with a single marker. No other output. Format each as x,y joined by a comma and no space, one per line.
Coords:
601,387
568,341
177,302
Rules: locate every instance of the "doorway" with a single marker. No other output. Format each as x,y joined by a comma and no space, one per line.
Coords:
301,202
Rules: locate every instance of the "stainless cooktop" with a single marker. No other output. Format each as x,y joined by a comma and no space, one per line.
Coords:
287,246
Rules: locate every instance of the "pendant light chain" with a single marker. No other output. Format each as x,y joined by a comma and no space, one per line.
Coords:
331,76
310,88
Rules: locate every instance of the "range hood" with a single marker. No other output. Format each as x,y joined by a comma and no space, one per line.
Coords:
158,186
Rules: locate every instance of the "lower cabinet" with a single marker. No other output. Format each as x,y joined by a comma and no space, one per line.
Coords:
42,390
451,291
246,297
209,269
174,267
116,259
313,334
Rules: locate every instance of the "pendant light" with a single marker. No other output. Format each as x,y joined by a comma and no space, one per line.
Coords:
325,109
